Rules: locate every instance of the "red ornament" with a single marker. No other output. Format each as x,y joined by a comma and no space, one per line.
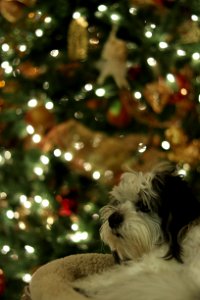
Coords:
2,282
134,72
183,89
118,116
68,206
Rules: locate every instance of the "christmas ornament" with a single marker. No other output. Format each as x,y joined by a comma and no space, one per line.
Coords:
137,110
187,154
68,204
2,282
117,115
157,95
77,40
40,118
176,136
28,70
13,10
113,61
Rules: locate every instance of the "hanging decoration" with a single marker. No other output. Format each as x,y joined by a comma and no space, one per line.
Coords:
77,39
113,61
13,10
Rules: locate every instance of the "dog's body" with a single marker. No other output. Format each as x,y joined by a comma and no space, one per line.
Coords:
152,227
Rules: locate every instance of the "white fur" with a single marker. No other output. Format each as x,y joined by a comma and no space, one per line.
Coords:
138,241
151,277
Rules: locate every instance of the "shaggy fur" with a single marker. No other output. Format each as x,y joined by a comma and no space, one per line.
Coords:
151,227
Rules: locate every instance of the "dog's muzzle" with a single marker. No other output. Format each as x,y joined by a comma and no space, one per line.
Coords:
115,220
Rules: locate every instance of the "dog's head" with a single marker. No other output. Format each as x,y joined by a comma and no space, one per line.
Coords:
147,210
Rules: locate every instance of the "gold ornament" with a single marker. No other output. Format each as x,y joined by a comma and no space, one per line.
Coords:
78,39
157,95
13,10
176,136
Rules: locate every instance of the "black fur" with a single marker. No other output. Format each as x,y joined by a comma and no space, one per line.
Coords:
177,208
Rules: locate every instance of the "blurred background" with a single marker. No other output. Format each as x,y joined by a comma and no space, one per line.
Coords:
88,89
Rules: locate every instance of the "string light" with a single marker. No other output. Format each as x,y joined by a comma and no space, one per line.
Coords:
5,249
165,145
29,249
54,53
26,277
32,102
100,92
196,56
38,171
30,129
57,152
37,198
76,15
36,138
5,47
137,95
163,45
44,159
151,61
68,156
88,87
39,32
102,8
49,105
181,52
96,175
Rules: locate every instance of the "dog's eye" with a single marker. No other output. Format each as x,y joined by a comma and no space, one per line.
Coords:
142,206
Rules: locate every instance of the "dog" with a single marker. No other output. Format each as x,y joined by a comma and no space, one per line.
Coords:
151,226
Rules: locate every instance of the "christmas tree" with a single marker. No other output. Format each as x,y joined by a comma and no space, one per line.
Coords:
87,91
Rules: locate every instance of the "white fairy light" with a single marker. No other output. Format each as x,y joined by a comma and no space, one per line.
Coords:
68,156
29,249
194,18
76,15
22,48
163,45
47,20
45,203
148,34
171,78
88,87
38,199
36,138
96,175
26,277
181,52
54,53
49,105
5,249
151,61
57,152
5,47
38,171
100,92
102,8
74,227
32,102
30,129
44,159
196,56
137,95
39,32
115,17
165,145
10,214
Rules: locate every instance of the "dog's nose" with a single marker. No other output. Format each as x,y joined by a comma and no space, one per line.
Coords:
115,220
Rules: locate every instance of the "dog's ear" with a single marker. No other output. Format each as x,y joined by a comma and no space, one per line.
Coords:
177,208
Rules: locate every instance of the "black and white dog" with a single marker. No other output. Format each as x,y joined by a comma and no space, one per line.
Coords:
151,225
